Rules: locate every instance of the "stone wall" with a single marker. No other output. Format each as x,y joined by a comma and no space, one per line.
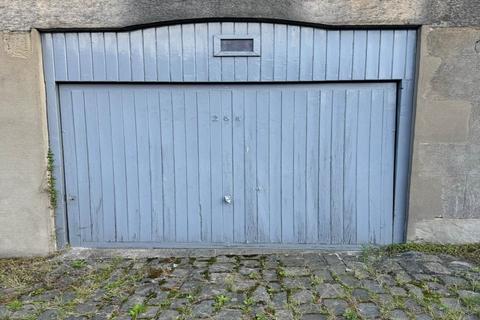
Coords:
26,14
445,181
25,217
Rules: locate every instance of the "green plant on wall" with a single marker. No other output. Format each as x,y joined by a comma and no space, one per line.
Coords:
51,180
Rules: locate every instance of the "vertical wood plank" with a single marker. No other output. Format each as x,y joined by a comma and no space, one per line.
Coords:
346,55
216,165
254,62
306,53
131,164
387,171
98,57
191,129
60,56
312,170
363,160
293,53
48,55
280,53
319,54
204,163
106,192
267,44
70,163
163,53
287,166
373,51
166,125
214,63
337,166
106,165
324,174
124,67
399,53
180,165
333,55
275,165
73,59
111,56
375,178
119,165
94,165
350,163
386,54
201,51
176,54
263,188
238,165
188,52
85,53
404,125
227,164
78,101
251,209
359,54
240,63
411,52
144,168
156,164
150,54
137,58
299,165
228,63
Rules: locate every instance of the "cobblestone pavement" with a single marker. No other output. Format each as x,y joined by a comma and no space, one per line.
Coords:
279,286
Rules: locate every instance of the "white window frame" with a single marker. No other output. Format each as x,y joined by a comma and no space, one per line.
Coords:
217,48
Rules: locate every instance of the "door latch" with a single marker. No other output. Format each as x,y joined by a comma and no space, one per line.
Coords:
227,199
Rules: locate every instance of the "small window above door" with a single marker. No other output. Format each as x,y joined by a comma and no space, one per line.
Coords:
236,45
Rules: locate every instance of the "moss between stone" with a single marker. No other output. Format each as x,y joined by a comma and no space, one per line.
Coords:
469,252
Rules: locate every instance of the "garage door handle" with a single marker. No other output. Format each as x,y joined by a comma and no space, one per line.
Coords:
227,199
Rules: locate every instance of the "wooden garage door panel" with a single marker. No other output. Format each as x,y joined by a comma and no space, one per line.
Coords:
302,163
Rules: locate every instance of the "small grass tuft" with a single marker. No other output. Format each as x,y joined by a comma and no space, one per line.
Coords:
469,252
351,314
14,305
247,305
230,282
220,301
254,276
261,316
316,280
136,310
281,272
78,264
472,303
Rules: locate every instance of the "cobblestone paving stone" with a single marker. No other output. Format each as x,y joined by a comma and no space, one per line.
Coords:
320,285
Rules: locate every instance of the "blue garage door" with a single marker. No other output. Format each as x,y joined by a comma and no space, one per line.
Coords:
206,164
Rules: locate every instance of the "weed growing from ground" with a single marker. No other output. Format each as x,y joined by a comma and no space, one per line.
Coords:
315,280
52,191
467,251
78,264
247,305
14,305
136,310
350,314
220,301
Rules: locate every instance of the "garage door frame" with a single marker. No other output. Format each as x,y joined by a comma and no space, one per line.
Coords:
55,47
